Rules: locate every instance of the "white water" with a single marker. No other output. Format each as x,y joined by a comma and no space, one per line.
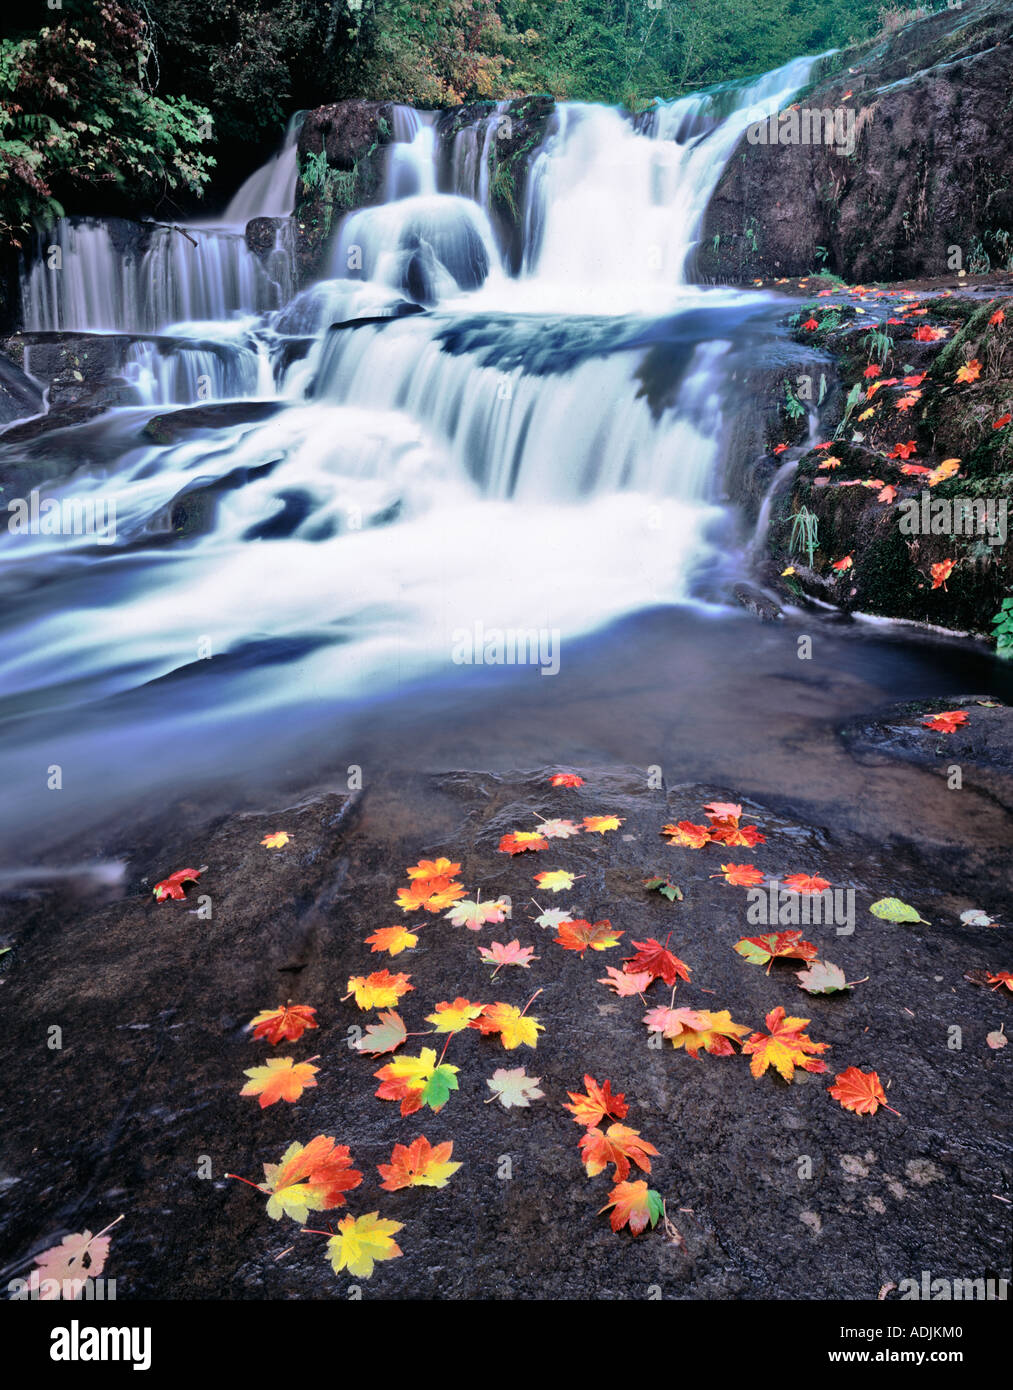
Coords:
538,452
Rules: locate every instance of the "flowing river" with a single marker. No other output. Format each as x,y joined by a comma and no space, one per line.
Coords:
334,568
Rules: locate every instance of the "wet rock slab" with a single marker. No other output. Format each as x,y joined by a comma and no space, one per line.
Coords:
153,1000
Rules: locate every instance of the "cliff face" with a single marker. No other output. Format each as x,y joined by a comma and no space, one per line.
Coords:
926,165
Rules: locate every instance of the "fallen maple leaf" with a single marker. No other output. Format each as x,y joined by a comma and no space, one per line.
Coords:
566,779
1000,978
555,880
63,1270
393,940
600,824
947,469
385,1036
433,868
599,1103
764,950
665,887
453,1017
903,451
361,1242
806,883
696,1028
970,371
997,318
924,334
624,984
740,875
579,935
723,811
687,834
873,370
172,887
417,1081
419,1164
634,1203
277,840
475,915
559,829
947,722
552,918
653,959
888,494
522,840
1002,421
941,573
513,1088
845,564
617,1145
513,953
429,895
810,325
823,977
784,1046
282,1078
859,1091
379,990
510,1023
314,1177
287,1023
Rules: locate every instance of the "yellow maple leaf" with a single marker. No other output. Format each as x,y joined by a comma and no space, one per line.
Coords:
714,1038
361,1242
451,1018
600,824
554,880
379,990
513,1027
277,840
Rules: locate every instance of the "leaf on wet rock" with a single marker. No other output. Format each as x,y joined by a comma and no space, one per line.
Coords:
284,1024
634,1204
665,887
282,1078
581,935
385,1036
893,910
419,1164
361,1242
513,953
393,940
596,1103
512,1087
823,977
173,886
859,1091
782,945
475,915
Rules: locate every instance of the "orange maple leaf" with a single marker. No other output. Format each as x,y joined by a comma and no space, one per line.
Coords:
903,451
288,1023
696,1028
634,1203
806,883
941,573
970,371
566,779
599,824
687,834
430,894
947,722
579,935
617,1145
281,1079
740,875
393,940
859,1091
1000,978
420,1164
888,494
379,990
784,1046
433,868
599,1102
845,564
519,841
782,945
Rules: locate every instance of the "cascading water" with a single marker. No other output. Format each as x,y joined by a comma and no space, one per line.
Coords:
536,452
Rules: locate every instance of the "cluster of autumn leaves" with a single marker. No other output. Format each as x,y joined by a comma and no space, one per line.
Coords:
318,1175
909,391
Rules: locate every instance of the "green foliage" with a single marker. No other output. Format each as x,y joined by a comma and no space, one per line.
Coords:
78,116
878,344
1002,630
793,407
805,533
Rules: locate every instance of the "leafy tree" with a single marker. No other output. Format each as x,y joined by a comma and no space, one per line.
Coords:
79,116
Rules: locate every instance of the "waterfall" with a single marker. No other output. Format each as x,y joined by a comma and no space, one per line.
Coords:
270,190
539,451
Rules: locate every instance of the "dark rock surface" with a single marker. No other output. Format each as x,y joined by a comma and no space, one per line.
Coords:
927,172
20,396
153,1000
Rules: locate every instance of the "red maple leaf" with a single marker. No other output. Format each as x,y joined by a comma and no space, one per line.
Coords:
172,887
652,959
947,722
